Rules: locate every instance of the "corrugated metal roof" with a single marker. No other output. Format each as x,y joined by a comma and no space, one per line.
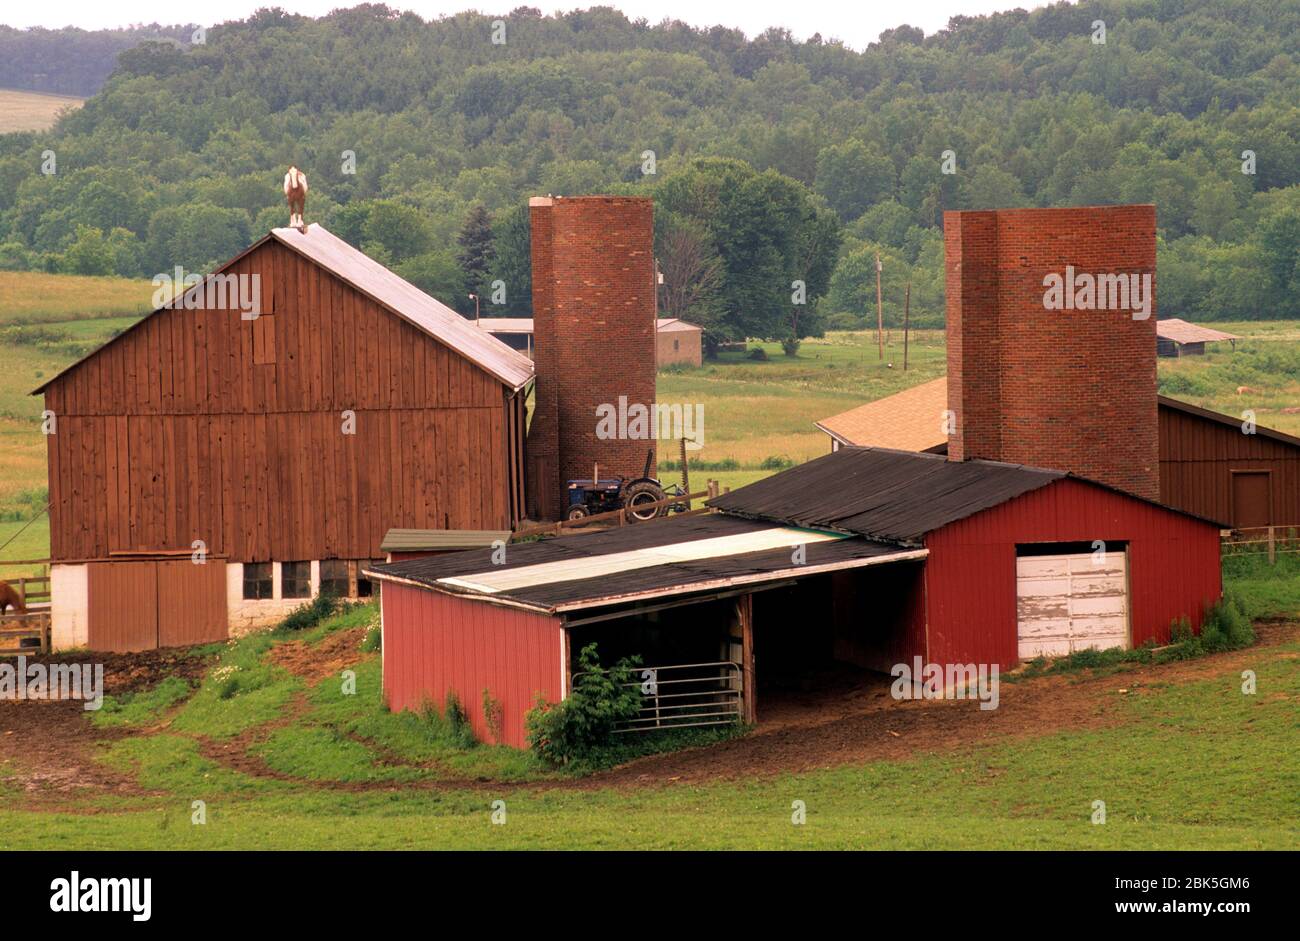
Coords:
415,540
1180,331
911,420
894,496
682,576
409,302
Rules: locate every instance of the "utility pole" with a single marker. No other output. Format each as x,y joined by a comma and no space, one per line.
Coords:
907,310
474,298
880,313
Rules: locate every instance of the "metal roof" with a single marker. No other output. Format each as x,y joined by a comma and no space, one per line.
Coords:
1226,420
894,496
1180,332
415,540
408,302
541,575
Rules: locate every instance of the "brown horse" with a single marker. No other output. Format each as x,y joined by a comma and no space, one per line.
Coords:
9,599
295,192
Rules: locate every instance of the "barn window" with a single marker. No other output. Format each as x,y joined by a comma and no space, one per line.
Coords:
258,584
365,587
334,578
676,345
295,579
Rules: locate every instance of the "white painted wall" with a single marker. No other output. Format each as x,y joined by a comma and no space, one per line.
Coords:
69,605
250,615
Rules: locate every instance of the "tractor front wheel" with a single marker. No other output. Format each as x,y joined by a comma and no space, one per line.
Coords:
639,502
577,512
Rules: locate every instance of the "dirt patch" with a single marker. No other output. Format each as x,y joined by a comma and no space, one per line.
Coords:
335,653
863,723
48,748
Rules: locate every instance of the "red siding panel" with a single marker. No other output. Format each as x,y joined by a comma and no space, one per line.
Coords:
1173,564
435,644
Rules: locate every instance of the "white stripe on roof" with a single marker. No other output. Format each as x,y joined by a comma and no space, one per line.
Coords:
409,302
572,570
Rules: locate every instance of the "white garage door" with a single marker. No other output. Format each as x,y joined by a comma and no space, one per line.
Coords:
1071,602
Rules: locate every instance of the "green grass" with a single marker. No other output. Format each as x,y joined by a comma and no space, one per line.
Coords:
142,708
30,297
1266,590
1192,766
241,692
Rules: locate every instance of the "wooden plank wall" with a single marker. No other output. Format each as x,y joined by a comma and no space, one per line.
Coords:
122,615
1197,457
198,424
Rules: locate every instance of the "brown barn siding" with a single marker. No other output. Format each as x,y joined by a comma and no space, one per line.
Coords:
200,425
1197,457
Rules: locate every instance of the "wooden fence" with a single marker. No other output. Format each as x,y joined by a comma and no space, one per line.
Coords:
25,633
1270,539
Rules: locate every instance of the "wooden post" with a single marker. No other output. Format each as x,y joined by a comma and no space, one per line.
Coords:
907,311
686,474
1272,546
749,699
880,313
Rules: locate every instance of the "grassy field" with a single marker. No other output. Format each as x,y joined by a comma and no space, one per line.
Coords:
285,760
30,110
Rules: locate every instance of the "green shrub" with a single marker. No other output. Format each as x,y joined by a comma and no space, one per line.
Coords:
373,641
776,462
310,614
458,721
574,728
790,346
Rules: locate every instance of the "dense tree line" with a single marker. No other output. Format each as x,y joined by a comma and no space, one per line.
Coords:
72,61
778,165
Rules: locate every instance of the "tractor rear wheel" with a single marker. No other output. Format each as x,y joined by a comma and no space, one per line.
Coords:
639,495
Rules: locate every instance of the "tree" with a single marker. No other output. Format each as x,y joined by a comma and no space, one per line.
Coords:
853,177
89,253
692,273
768,232
477,252
514,263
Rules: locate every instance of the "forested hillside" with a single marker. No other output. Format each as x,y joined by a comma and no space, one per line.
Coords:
773,160
71,61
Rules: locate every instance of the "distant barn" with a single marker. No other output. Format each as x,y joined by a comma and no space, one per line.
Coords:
281,446
1176,337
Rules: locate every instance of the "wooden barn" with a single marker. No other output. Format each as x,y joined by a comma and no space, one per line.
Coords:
248,445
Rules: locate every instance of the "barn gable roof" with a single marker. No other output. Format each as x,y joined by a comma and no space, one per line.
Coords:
381,285
893,496
1180,332
409,302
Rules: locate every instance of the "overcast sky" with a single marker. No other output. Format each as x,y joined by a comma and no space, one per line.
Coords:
854,21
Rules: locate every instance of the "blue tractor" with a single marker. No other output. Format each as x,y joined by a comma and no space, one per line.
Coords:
589,496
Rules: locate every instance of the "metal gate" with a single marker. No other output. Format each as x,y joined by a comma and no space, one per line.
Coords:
686,695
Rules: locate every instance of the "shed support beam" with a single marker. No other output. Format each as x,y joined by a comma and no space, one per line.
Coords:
745,619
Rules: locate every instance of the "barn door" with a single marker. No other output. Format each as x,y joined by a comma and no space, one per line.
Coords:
191,602
148,604
1251,503
122,606
1071,602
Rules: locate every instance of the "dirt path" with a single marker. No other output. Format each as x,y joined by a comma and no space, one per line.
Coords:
869,725
48,749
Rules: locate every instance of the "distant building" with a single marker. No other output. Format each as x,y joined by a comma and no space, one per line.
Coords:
1208,467
678,341
1176,337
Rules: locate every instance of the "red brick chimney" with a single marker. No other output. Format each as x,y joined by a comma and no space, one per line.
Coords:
593,337
1051,361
